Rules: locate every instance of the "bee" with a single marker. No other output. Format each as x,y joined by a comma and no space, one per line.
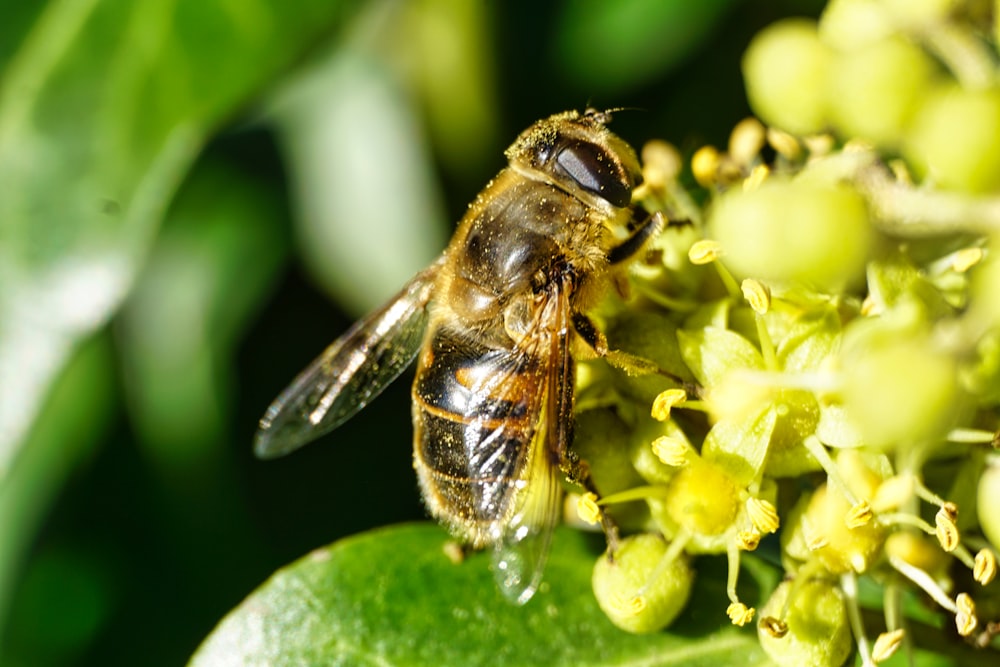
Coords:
494,322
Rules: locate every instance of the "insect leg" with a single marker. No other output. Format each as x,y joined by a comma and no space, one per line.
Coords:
631,364
578,472
649,228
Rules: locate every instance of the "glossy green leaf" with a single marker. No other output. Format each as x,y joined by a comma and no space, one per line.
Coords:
103,107
75,416
392,597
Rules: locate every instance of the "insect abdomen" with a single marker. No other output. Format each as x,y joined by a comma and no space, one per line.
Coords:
467,478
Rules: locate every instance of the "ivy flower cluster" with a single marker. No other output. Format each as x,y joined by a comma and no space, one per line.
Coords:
823,315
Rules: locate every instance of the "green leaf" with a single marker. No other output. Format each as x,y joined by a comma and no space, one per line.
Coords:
103,107
75,416
392,597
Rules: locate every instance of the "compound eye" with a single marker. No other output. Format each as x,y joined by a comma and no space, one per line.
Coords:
594,171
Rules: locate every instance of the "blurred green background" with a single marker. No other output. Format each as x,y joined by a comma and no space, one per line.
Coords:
196,197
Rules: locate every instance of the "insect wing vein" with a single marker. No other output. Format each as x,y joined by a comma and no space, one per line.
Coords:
351,372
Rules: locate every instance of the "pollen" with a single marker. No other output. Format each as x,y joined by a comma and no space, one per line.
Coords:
704,251
763,515
671,451
663,403
740,614
588,509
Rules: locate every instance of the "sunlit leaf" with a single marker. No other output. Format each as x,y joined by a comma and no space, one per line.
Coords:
392,597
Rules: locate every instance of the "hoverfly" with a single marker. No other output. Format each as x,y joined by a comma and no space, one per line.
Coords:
493,321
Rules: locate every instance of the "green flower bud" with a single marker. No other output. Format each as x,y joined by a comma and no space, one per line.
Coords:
814,628
785,72
805,232
955,139
851,24
602,440
829,538
988,501
637,589
899,389
875,89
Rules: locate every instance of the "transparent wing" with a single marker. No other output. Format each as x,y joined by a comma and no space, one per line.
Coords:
534,395
350,373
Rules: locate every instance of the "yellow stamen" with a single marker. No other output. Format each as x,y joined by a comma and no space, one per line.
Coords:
763,515
748,540
757,177
588,509
740,614
985,568
893,493
945,529
663,403
966,258
784,143
704,251
886,644
965,617
746,140
705,165
859,515
774,627
757,294
672,451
